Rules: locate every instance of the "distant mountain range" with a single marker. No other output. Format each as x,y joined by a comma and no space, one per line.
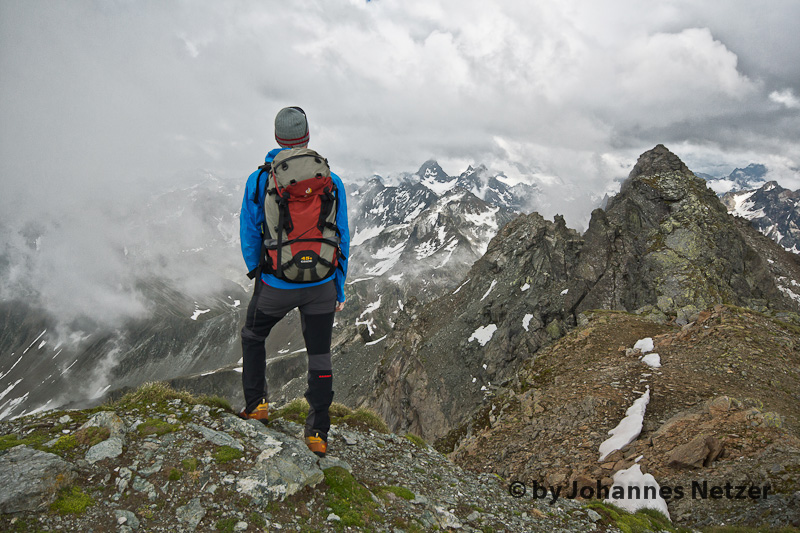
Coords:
179,253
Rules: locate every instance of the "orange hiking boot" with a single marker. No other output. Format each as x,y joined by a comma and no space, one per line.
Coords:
317,444
260,413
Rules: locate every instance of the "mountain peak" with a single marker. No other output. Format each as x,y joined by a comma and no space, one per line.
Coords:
658,161
431,169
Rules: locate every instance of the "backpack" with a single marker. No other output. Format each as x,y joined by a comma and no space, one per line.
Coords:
301,239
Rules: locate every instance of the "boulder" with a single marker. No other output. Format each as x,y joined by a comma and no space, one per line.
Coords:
31,479
700,451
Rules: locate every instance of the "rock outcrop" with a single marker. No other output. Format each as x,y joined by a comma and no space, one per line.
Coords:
665,247
188,466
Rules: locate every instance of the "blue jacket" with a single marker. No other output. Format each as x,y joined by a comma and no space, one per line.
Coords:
252,218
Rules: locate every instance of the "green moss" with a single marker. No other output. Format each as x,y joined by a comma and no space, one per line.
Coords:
295,411
366,419
160,393
257,520
190,464
400,492
35,440
175,474
644,520
338,410
418,441
225,454
64,444
72,500
92,435
226,524
156,426
348,499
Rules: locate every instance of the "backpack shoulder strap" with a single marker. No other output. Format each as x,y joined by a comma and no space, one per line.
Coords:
266,167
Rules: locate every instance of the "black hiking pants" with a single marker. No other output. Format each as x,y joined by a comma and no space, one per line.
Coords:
317,309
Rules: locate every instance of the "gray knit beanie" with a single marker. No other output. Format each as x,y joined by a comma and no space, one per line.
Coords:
291,127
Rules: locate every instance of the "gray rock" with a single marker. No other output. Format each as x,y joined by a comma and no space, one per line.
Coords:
593,515
152,469
330,462
124,479
110,421
129,518
217,437
108,449
333,518
201,410
66,419
282,469
191,514
142,485
31,479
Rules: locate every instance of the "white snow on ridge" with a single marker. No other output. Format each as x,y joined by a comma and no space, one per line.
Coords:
648,490
376,341
371,307
388,256
461,286
34,341
628,428
486,218
12,367
494,282
438,187
364,235
652,360
525,287
743,207
483,334
526,321
9,389
644,345
198,312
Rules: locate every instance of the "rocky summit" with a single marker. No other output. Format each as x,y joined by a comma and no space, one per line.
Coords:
666,259
163,460
665,247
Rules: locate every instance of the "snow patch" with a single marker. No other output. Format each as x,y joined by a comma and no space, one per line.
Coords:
525,287
494,282
34,342
644,345
526,321
648,491
388,256
376,341
364,235
460,286
628,428
652,360
198,312
483,334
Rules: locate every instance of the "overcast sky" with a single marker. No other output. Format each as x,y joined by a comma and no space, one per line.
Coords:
98,96
104,102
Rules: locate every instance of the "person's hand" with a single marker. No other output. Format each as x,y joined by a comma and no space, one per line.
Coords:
339,306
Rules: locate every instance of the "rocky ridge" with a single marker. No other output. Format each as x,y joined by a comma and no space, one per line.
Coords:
723,408
665,247
160,460
772,210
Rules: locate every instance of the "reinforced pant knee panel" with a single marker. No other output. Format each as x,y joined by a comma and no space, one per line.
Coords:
320,397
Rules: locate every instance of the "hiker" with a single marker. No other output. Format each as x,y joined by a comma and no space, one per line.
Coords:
285,285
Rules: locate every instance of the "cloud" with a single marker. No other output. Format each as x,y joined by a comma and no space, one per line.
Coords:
785,97
124,99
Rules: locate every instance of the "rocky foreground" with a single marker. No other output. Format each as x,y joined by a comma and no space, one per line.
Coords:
161,460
